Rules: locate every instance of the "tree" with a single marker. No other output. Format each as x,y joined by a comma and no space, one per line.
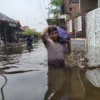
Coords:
56,3
31,32
55,10
55,6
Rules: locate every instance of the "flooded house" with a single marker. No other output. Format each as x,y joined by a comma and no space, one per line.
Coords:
9,29
76,7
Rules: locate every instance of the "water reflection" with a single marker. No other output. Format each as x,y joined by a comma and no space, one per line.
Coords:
77,88
19,63
94,77
13,49
11,53
64,84
58,84
91,82
29,48
2,72
2,87
72,83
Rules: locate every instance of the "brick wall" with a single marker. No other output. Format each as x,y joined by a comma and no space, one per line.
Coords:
72,8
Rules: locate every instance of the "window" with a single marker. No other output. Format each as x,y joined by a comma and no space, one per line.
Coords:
73,1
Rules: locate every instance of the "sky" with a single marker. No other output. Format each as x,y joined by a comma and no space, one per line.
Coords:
29,12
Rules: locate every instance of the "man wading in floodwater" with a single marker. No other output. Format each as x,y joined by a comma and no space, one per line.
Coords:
29,41
56,50
57,74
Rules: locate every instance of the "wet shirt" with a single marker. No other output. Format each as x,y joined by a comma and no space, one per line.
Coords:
56,52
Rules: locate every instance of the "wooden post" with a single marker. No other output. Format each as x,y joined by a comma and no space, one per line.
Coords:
5,36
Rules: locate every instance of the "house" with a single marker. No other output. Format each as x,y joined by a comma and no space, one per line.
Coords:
72,7
69,9
8,29
17,31
76,7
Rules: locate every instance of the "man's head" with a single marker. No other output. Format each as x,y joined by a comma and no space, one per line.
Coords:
53,33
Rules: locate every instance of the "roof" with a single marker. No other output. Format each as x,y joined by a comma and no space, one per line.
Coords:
4,17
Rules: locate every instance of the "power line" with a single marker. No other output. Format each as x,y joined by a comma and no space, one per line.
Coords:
44,3
45,7
42,8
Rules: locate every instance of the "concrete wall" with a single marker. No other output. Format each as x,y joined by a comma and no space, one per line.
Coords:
88,5
93,37
78,44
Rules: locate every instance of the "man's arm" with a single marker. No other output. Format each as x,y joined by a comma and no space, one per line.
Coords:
43,35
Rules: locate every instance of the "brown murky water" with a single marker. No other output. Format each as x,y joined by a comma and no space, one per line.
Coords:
25,76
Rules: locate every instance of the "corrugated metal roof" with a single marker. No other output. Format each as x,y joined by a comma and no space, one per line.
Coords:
4,17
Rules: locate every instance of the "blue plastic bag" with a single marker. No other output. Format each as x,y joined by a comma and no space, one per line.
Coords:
63,36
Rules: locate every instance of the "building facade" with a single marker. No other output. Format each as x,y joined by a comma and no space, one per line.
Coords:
72,7
77,7
9,29
89,5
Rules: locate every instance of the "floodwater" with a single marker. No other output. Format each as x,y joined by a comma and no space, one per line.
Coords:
25,76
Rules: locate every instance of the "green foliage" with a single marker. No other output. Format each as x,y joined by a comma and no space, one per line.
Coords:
53,21
56,3
54,11
36,34
31,32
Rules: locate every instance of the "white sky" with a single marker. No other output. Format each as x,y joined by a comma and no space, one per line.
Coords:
28,12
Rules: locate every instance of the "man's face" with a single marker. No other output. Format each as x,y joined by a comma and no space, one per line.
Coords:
54,35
